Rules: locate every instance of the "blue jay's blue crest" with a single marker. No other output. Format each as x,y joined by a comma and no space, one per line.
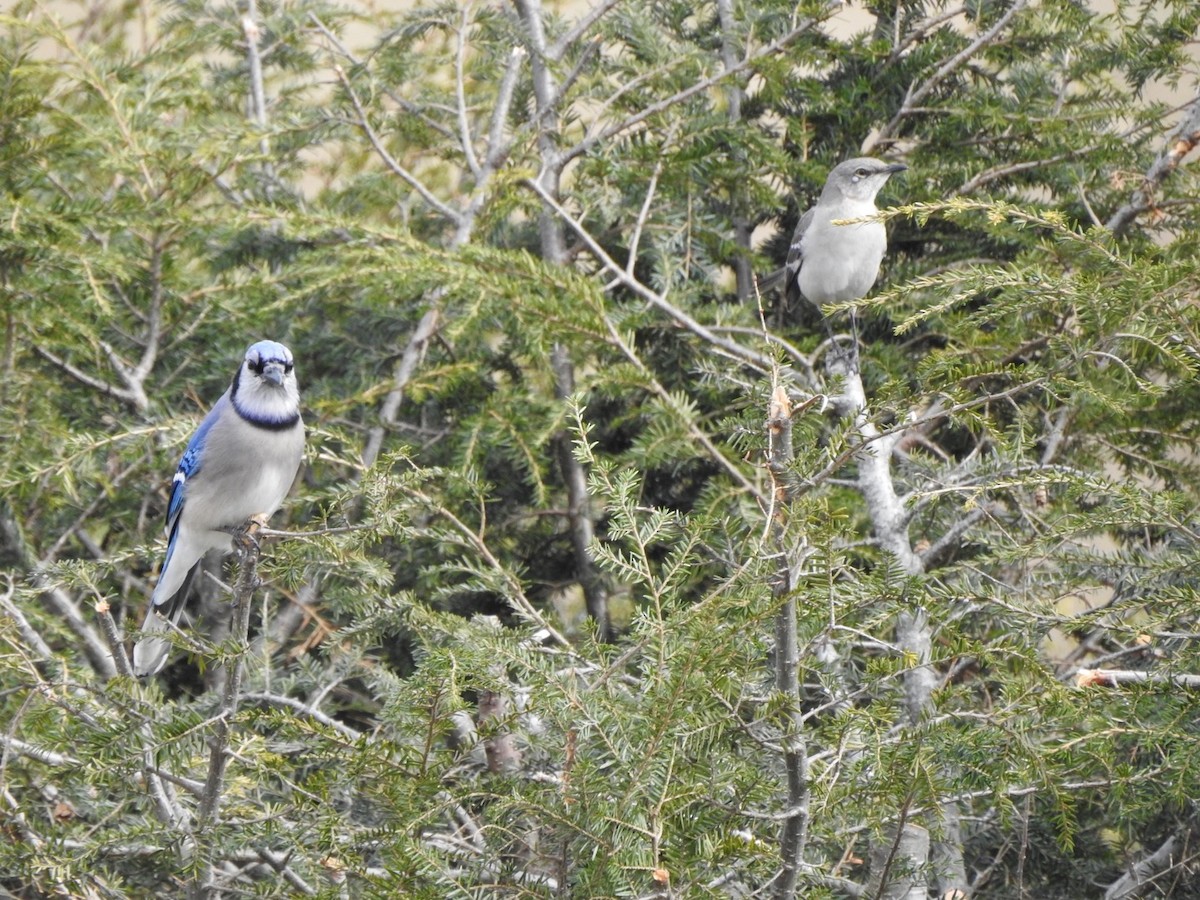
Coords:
262,354
239,464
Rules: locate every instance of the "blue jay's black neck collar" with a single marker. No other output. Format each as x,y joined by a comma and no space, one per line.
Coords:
264,404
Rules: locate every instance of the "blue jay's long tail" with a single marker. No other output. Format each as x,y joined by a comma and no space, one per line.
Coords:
151,650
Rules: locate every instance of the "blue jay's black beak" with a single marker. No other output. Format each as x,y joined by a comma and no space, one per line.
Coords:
273,372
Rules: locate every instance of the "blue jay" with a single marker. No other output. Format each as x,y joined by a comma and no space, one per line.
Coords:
240,463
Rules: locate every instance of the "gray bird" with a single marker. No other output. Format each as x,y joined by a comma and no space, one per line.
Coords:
240,463
830,263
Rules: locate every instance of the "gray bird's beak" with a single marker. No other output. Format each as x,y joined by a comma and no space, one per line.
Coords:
896,167
273,372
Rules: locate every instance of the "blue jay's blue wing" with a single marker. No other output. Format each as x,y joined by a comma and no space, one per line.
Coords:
189,465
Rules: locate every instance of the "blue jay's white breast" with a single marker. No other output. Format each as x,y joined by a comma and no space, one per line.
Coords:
247,471
836,269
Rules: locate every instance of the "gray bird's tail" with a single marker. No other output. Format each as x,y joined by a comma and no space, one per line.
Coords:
771,280
151,650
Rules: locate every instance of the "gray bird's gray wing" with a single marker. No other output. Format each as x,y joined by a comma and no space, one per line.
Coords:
786,276
795,258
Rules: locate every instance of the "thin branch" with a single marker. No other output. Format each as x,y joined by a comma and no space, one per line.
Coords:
916,95
579,505
132,396
66,609
734,349
1184,140
363,123
414,353
581,27
301,707
460,96
639,224
498,146
997,172
1117,677
779,44
939,551
30,638
920,32
214,784
49,757
113,636
19,827
517,597
405,104
278,862
1145,871
794,831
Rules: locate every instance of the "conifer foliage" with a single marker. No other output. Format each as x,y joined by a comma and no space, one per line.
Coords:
606,575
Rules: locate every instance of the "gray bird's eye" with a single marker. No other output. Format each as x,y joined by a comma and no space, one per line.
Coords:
862,173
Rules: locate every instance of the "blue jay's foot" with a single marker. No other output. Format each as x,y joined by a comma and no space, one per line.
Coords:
245,537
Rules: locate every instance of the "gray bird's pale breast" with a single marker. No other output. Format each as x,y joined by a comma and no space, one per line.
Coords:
841,262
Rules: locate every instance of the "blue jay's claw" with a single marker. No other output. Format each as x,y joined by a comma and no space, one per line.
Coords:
245,537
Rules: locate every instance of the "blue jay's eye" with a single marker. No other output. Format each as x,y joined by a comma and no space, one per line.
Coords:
257,365
288,366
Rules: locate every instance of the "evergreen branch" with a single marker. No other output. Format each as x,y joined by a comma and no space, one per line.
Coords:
517,597
941,549
404,103
153,322
658,301
406,367
915,96
363,122
167,806
30,637
635,238
920,32
579,514
65,608
15,820
279,862
301,707
553,246
580,28
592,139
258,94
49,757
497,146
